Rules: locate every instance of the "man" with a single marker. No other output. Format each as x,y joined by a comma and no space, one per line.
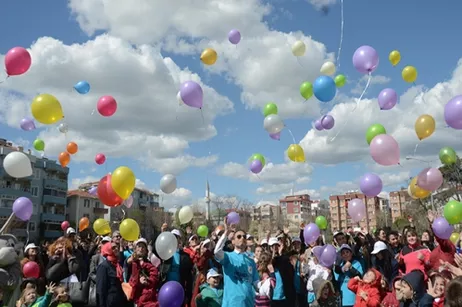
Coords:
284,291
250,252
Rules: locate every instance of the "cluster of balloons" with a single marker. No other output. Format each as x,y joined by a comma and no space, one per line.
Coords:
409,73
256,163
65,157
272,122
114,188
168,183
326,122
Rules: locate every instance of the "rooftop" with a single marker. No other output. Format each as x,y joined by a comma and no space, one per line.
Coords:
264,202
80,193
95,183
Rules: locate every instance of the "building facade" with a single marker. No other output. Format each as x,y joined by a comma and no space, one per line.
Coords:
82,204
296,210
266,216
398,201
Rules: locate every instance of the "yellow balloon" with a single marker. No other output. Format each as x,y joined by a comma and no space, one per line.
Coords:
123,181
101,227
410,193
295,153
129,230
394,57
209,56
298,48
409,74
454,237
417,191
46,109
424,126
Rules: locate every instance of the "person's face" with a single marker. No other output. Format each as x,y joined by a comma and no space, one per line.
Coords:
116,239
59,249
115,249
141,249
341,239
31,296
258,251
406,290
194,241
346,254
275,248
369,277
382,235
214,282
383,284
350,230
250,243
393,240
297,246
32,252
398,292
130,245
425,236
379,255
239,240
84,245
411,238
72,237
325,292
231,236
62,294
439,286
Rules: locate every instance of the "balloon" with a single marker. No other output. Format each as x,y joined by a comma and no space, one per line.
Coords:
82,87
321,222
328,69
365,59
453,112
318,125
324,88
417,191
166,245
298,48
84,223
168,183
356,209
394,57
256,166
371,185
46,109
129,230
171,294
233,218
424,126
373,131
387,99
178,98
27,124
63,128
327,122
93,191
203,231
155,261
409,192
31,270
101,227
441,228
409,74
234,36
273,124
209,56
17,61
259,157
123,181
295,153
453,212
106,194
454,237
128,202
270,108
65,225
106,106
275,136
192,94
328,255
72,148
23,208
340,80
64,158
306,90
311,233
17,165
100,159
39,145
185,215
430,179
384,150
448,156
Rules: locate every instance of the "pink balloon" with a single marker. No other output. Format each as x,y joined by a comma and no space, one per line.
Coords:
356,209
107,106
100,158
128,202
430,179
384,150
17,61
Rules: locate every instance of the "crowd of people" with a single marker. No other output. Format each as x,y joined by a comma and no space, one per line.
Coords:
232,268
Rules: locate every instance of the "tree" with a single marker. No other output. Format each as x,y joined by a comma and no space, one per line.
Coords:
223,204
452,175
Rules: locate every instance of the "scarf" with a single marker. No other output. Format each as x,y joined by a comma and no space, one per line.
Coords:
109,255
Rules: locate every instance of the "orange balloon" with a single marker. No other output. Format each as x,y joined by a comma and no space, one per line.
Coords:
72,148
64,158
84,223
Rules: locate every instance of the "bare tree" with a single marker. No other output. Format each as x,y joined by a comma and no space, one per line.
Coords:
223,204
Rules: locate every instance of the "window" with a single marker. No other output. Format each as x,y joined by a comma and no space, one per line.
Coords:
36,173
86,203
97,204
31,226
296,210
34,191
86,215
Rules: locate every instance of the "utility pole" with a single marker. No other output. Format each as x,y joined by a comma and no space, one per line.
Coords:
207,199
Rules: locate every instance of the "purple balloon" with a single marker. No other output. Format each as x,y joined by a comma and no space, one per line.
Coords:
233,218
171,294
192,95
27,124
453,113
371,185
327,122
328,256
256,166
430,179
387,99
356,209
23,208
93,191
365,59
275,136
311,233
234,36
318,125
441,228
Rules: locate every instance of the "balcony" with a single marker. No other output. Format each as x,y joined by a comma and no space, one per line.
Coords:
49,234
4,174
49,199
15,191
100,211
50,183
53,166
50,217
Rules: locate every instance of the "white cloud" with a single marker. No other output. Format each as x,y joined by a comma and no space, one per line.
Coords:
180,197
76,182
319,4
375,80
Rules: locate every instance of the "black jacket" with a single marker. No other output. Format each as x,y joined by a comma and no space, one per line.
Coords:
186,273
109,291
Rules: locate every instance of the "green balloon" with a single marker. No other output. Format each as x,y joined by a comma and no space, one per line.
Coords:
453,212
340,80
258,156
448,156
306,90
203,231
373,131
270,108
321,222
39,145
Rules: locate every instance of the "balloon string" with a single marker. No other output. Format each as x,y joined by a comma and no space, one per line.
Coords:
5,79
341,34
292,135
27,232
415,148
298,61
92,112
202,115
356,106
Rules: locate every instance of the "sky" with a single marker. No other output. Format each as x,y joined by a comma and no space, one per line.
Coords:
141,51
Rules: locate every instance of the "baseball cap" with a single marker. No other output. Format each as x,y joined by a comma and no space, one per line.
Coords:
296,239
205,242
71,231
192,237
116,233
141,240
106,239
338,233
273,241
264,241
176,232
248,237
378,247
212,273
346,246
30,246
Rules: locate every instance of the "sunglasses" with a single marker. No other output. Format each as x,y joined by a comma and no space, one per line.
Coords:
240,237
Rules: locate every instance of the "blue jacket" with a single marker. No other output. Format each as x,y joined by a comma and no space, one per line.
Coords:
342,278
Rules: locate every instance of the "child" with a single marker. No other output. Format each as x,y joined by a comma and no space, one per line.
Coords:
314,270
367,290
325,295
30,298
267,282
211,293
61,298
413,290
436,287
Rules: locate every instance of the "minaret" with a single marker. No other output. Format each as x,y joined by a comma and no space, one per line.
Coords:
207,200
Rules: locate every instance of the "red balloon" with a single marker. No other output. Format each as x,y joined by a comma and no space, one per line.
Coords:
106,194
100,158
65,225
17,61
107,106
31,270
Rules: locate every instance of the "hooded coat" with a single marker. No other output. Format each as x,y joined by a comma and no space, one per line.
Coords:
331,301
372,289
420,298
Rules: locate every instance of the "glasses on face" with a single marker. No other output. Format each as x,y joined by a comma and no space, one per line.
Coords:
240,237
117,237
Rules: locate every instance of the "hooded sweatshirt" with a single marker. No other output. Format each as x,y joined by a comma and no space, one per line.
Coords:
420,298
372,289
332,299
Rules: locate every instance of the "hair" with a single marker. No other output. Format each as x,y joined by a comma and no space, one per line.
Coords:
386,262
62,240
25,291
394,233
377,232
430,235
411,231
263,262
435,276
452,295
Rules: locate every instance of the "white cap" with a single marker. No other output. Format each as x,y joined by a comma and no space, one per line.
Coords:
273,241
176,232
345,246
106,239
248,237
263,241
212,273
296,239
30,246
378,247
205,242
141,240
70,231
192,237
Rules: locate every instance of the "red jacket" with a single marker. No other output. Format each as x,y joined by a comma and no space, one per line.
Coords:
191,252
390,299
444,251
408,258
440,302
372,290
144,295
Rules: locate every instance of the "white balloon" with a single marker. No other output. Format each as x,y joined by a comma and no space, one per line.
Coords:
273,124
185,215
17,164
328,69
298,48
178,97
168,183
166,245
63,128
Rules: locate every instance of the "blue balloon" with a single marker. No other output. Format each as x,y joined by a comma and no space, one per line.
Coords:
82,87
324,88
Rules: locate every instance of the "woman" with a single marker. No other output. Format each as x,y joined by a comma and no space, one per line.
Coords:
414,256
349,268
32,253
428,240
62,265
384,262
204,261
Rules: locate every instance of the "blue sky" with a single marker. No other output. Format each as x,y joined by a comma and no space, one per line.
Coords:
422,31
